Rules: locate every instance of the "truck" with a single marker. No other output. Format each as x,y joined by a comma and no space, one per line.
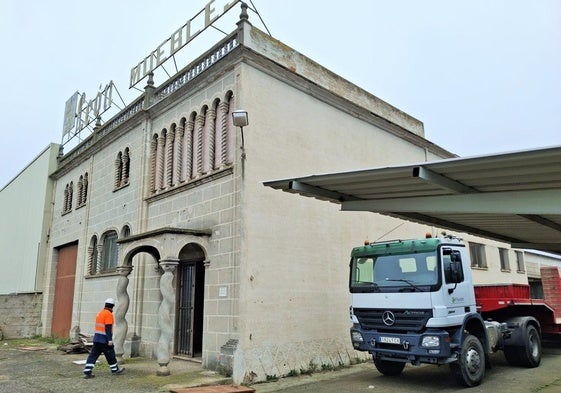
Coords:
414,301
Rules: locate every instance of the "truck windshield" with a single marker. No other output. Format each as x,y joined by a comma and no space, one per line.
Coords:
390,273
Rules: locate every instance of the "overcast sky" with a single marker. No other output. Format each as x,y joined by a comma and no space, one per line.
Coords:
483,76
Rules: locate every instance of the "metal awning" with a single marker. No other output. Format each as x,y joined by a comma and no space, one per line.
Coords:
511,197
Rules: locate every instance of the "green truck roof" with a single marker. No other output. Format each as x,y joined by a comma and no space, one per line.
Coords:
397,247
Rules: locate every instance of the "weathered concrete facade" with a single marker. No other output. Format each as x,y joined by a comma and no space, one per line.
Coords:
211,264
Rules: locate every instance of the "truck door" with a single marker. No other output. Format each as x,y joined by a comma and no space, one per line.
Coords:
459,295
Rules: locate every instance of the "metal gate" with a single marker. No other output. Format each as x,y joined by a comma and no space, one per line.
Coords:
185,304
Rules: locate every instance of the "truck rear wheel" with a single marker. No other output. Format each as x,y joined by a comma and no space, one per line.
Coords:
529,354
469,369
388,367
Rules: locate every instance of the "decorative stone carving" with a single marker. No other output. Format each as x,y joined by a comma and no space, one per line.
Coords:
123,301
164,313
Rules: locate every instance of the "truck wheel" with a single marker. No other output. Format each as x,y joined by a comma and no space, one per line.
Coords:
389,368
469,369
528,355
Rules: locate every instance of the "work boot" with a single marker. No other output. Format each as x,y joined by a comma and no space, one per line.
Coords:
119,371
88,376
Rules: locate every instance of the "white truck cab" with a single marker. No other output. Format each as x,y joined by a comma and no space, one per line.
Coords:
413,301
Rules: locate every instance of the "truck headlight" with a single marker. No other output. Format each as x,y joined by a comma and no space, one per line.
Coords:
356,336
430,341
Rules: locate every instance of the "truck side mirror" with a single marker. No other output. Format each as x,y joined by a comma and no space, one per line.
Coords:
454,272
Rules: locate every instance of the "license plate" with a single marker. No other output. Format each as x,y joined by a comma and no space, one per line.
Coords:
390,340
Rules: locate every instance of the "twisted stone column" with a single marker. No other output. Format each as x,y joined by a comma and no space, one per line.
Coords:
164,315
170,139
179,160
153,160
211,119
98,258
199,126
123,300
126,167
223,109
189,148
118,171
161,161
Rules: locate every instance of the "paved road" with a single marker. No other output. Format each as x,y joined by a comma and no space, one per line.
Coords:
364,378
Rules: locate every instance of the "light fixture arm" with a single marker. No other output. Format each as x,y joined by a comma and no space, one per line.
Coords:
240,119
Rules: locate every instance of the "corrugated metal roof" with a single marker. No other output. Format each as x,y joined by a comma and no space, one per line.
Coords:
513,197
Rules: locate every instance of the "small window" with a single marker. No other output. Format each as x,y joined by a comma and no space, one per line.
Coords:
110,253
520,262
82,196
93,266
477,254
68,193
505,264
122,169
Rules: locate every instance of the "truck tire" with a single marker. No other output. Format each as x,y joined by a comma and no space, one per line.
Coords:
469,369
388,367
528,355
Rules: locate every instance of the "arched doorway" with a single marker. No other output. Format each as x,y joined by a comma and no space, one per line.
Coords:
190,284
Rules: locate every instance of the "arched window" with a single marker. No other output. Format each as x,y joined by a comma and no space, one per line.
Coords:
93,265
68,193
126,166
109,252
118,170
65,203
197,145
80,191
85,189
122,168
126,231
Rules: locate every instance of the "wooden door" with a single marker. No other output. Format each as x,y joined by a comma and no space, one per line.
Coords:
64,291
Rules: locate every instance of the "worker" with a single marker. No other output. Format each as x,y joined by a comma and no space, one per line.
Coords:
103,341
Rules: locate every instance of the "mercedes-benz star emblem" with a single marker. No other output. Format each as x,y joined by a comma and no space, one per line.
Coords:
388,318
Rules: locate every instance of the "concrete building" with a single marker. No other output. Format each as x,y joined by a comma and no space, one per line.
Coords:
164,208
26,210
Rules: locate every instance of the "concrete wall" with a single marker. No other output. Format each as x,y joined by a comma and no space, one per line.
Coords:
294,279
20,315
106,209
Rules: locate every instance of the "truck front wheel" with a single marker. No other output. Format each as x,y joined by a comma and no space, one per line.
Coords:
389,368
470,367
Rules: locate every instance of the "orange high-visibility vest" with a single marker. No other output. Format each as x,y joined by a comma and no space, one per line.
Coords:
103,318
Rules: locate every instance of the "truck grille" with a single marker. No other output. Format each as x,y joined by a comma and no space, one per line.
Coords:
405,321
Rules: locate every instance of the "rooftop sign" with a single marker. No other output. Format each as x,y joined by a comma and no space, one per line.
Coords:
181,37
79,113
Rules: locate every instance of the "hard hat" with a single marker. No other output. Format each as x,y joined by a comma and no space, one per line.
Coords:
110,301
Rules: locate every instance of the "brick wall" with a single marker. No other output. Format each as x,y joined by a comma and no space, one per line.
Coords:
20,314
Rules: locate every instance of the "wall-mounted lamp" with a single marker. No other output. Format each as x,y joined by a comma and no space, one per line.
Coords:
240,120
